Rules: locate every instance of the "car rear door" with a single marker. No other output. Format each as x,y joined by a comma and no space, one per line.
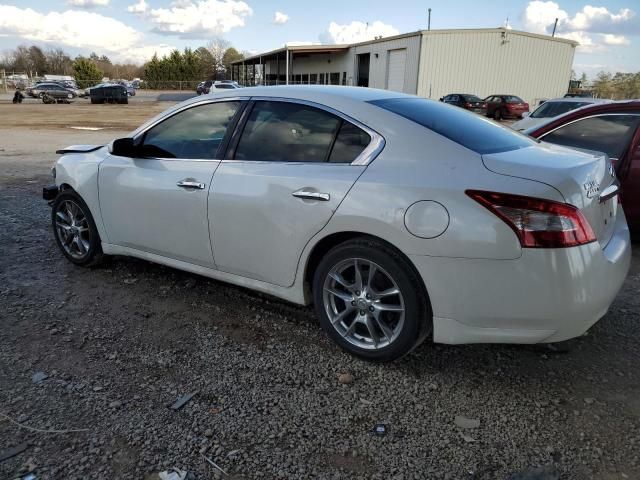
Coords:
156,201
290,165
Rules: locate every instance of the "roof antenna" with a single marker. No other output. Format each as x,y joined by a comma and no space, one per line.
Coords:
429,21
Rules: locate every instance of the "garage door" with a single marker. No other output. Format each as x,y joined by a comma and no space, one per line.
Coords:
395,69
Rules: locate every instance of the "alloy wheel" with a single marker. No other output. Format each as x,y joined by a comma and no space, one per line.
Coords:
363,303
72,227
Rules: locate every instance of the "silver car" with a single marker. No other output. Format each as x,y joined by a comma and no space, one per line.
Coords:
399,218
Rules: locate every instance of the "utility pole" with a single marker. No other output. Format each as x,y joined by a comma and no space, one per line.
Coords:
429,21
555,25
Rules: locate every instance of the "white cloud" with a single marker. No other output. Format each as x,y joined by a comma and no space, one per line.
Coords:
79,29
280,18
201,19
539,17
611,39
357,32
88,3
138,8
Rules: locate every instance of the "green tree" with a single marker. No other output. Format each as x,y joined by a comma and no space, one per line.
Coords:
602,85
230,55
86,72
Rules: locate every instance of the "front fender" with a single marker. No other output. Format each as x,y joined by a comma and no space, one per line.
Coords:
79,171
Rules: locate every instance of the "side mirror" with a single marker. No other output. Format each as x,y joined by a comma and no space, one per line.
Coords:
123,147
441,99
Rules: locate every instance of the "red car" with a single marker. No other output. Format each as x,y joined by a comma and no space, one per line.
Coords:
505,106
613,128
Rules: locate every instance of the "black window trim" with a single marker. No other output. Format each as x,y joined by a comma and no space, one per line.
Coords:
139,136
370,152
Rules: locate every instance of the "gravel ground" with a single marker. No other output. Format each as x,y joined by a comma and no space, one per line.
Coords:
119,344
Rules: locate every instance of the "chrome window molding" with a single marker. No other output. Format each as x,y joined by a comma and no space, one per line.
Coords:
613,114
371,151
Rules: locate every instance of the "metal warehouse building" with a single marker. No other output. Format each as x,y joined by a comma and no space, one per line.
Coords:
429,63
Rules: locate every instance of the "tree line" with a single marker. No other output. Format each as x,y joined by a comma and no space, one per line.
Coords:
210,62
618,86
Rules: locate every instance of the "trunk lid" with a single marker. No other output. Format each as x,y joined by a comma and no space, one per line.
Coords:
579,176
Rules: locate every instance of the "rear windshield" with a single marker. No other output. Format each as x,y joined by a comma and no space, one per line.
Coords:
465,128
553,109
513,99
472,98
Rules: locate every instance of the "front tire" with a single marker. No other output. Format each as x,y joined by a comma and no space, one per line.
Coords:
75,230
370,301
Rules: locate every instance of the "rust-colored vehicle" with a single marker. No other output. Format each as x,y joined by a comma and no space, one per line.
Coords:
613,128
505,106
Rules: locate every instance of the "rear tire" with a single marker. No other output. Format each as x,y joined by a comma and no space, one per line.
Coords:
379,319
75,230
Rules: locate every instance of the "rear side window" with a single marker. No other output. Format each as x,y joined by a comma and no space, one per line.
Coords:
605,133
287,132
463,127
513,99
350,143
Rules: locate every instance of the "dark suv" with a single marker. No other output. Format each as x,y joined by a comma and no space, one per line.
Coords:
505,106
467,101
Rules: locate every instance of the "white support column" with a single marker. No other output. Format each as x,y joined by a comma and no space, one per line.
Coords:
287,67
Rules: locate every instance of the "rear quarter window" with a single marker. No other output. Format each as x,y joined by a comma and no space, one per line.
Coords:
465,128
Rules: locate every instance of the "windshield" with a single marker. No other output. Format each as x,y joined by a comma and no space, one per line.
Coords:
467,129
553,109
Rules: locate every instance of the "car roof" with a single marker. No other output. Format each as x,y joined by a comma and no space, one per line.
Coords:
621,106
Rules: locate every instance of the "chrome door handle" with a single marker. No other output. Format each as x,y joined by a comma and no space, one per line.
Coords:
190,184
309,195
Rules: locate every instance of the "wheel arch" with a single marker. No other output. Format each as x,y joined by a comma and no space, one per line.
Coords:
324,245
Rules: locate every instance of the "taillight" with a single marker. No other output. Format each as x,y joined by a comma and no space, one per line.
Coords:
538,223
468,105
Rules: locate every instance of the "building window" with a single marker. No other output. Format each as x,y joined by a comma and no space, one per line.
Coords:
334,78
344,78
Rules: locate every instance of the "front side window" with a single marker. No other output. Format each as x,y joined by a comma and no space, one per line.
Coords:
196,133
287,132
605,133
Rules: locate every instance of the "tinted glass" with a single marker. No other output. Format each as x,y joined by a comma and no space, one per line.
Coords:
553,109
193,133
512,99
224,85
287,132
472,98
350,143
607,133
465,128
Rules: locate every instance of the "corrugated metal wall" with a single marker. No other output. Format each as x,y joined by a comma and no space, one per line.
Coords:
485,63
378,67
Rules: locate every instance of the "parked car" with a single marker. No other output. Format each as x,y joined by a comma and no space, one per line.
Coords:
53,90
344,197
505,106
467,101
203,87
553,108
109,93
131,91
612,128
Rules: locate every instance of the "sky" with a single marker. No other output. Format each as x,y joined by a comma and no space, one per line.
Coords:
132,30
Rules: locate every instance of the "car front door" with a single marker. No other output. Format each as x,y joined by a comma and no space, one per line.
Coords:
157,201
286,173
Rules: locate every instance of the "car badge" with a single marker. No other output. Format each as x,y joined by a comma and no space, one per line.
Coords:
592,188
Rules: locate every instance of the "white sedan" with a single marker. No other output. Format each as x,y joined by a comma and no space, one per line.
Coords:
399,218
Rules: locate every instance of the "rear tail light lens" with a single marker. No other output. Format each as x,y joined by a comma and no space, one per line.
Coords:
538,223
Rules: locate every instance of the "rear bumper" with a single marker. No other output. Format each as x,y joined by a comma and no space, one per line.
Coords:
546,295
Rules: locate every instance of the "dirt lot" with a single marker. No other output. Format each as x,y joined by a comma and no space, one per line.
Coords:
120,343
